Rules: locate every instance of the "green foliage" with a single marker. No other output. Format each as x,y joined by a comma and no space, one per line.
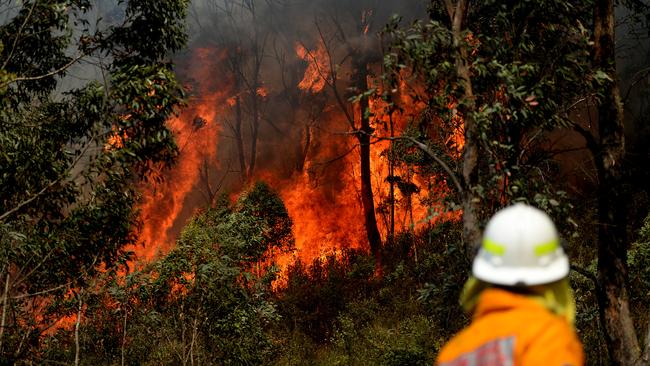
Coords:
151,29
71,157
639,277
271,219
529,62
207,301
315,295
70,162
337,312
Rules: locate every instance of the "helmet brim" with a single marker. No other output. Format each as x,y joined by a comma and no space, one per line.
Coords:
509,276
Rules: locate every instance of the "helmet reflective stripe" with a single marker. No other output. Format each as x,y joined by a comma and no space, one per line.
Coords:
493,248
540,250
547,248
520,246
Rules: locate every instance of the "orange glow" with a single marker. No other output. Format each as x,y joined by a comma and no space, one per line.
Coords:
323,202
162,202
118,136
116,140
420,208
262,92
365,20
457,139
324,222
318,71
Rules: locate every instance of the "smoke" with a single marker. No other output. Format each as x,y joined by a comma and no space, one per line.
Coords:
632,54
633,51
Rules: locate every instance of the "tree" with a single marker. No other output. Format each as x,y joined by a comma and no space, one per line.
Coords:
504,70
70,160
355,47
238,27
498,72
609,155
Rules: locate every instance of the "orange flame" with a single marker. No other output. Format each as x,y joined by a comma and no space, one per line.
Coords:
317,73
327,215
196,131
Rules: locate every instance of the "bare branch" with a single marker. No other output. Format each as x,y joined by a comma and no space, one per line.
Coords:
638,77
587,274
576,103
29,200
47,187
645,360
39,77
41,292
4,308
435,157
337,158
123,346
20,31
592,144
76,329
450,9
332,81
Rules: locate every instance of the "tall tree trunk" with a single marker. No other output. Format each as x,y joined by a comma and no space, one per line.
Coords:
255,89
620,335
471,233
364,133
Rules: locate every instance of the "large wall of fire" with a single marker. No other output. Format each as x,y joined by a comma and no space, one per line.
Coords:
269,84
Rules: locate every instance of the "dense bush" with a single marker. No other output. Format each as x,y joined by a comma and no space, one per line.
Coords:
208,301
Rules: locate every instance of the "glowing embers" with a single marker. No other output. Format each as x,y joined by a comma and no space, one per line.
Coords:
118,136
457,138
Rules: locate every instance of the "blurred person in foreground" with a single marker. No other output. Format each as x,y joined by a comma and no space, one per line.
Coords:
519,296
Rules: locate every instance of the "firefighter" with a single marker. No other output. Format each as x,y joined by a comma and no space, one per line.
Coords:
519,296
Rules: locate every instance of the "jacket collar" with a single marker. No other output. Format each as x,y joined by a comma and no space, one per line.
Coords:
498,300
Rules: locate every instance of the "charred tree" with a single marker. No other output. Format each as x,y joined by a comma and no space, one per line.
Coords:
622,342
255,128
391,174
297,101
363,134
302,150
358,52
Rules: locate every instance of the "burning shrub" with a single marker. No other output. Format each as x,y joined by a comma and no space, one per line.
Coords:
207,300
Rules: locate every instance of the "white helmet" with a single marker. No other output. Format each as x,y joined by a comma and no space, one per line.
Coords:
521,246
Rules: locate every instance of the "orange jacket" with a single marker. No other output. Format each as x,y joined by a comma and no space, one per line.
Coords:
510,329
